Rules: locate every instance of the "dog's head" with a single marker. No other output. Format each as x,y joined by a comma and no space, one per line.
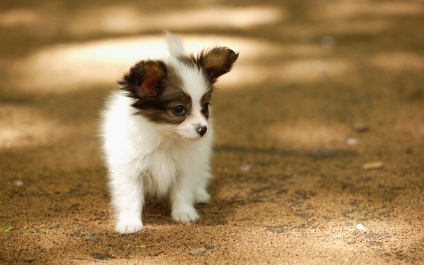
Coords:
178,92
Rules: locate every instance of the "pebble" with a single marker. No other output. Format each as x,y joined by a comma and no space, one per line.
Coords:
360,227
18,183
197,252
352,141
360,127
245,168
277,229
373,165
55,225
92,237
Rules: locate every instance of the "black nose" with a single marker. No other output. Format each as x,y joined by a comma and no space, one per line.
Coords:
202,130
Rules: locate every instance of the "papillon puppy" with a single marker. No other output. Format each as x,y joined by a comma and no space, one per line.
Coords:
157,133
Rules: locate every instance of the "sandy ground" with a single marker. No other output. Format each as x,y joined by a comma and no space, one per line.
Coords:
319,150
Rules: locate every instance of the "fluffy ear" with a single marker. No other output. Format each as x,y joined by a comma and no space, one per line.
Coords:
144,79
217,61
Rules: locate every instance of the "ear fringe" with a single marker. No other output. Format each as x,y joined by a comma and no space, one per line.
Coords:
216,61
144,79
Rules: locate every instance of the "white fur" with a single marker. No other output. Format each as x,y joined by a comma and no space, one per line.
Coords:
175,46
143,157
195,85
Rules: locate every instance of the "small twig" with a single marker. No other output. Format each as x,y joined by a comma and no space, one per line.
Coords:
83,258
157,254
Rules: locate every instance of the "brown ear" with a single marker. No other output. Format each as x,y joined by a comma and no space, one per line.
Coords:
144,79
217,61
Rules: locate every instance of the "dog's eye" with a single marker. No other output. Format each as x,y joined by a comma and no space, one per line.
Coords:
205,108
179,110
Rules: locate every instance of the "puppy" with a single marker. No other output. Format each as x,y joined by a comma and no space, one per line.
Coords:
157,133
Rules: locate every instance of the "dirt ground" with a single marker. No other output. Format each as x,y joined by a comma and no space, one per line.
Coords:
319,145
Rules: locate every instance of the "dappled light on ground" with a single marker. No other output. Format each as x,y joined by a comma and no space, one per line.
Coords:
78,66
298,71
398,61
321,88
313,70
129,19
362,26
351,9
327,241
18,17
72,67
309,135
23,127
27,127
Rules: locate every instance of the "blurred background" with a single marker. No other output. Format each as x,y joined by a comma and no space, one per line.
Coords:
321,54
320,122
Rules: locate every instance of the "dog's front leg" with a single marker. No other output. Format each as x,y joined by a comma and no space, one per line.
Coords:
182,200
128,199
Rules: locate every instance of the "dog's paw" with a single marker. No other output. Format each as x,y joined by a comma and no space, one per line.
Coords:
185,214
201,196
128,224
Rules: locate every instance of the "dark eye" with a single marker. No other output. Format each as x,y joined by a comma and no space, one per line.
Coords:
205,109
179,110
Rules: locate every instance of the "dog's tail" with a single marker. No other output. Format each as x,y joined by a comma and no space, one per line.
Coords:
175,46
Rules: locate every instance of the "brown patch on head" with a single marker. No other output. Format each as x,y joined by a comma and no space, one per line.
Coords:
157,89
161,108
213,63
216,62
154,71
144,79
